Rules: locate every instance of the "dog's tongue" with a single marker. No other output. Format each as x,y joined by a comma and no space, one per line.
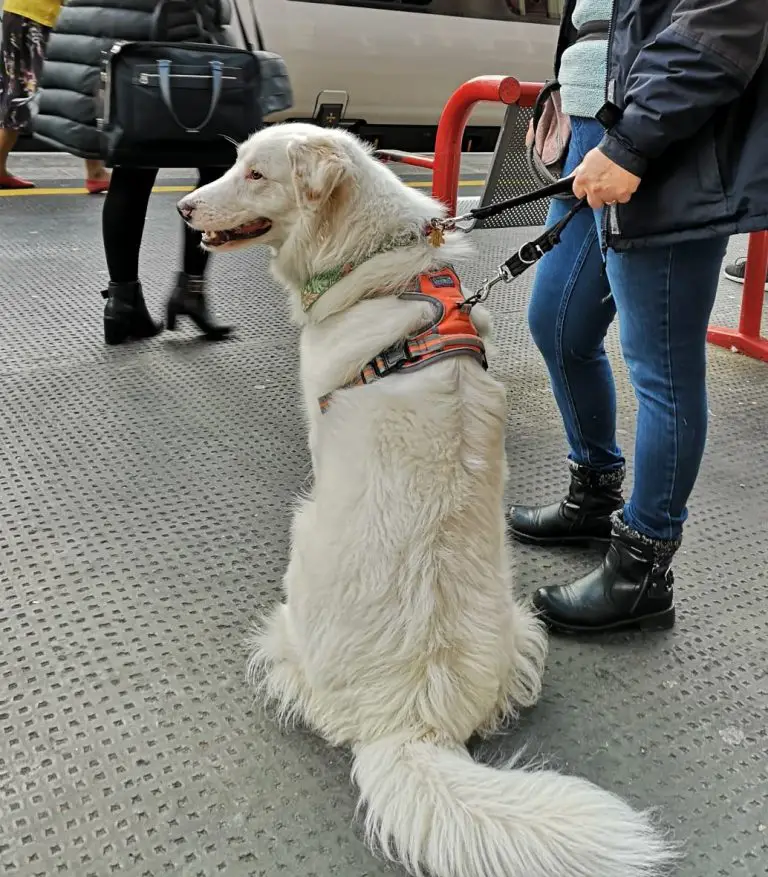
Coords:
253,226
223,237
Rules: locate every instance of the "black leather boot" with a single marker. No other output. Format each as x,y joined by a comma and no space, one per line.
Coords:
188,300
125,314
582,518
631,588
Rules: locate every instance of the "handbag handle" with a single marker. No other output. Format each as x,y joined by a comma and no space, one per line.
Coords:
164,77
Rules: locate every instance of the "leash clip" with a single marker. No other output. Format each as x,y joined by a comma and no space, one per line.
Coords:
485,290
464,223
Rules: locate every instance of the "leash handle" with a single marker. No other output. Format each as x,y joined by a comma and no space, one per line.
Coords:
561,187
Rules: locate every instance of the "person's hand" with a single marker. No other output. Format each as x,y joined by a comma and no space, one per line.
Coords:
602,181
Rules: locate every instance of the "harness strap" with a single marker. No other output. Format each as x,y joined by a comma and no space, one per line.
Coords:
429,345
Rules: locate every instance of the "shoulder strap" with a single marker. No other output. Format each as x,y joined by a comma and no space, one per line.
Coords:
159,23
244,32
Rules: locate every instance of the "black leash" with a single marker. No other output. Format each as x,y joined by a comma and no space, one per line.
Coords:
561,187
530,252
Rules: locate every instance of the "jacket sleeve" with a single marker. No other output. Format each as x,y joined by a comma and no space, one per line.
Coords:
703,60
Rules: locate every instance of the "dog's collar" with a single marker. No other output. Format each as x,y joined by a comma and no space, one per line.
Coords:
318,284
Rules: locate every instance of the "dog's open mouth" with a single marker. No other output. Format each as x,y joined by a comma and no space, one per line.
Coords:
241,233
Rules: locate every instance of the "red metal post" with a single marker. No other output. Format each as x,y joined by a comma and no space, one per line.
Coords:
529,91
450,130
747,338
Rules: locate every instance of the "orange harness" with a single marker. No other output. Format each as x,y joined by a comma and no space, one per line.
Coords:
452,333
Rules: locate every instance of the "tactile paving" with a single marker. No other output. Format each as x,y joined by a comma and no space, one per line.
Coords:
145,503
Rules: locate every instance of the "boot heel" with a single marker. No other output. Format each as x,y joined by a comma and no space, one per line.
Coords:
660,621
115,332
188,300
171,314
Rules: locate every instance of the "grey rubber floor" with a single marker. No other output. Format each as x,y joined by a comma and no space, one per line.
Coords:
145,499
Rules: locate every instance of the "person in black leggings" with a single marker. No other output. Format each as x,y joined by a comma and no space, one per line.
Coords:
68,118
125,314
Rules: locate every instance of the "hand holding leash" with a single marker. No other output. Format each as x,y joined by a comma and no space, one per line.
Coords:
602,182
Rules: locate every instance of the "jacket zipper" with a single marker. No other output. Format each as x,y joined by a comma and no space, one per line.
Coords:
611,215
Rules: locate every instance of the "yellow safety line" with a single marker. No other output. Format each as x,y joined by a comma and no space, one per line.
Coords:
25,193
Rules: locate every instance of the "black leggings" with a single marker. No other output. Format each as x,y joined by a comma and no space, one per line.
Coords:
125,210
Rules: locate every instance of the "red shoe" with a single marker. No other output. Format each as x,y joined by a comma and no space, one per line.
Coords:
11,182
97,187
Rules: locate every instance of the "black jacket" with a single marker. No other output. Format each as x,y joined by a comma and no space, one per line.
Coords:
67,105
690,81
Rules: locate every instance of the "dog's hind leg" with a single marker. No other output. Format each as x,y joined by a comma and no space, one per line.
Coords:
275,666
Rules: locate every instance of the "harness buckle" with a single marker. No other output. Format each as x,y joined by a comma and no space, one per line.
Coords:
391,359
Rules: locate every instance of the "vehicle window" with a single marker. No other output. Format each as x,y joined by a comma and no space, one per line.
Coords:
538,11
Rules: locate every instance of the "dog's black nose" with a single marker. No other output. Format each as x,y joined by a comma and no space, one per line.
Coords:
185,210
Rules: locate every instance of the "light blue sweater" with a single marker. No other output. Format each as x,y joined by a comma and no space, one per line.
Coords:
584,66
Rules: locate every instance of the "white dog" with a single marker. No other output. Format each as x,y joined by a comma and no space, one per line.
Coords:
399,635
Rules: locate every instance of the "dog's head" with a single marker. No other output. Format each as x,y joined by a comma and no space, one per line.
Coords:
285,176
322,203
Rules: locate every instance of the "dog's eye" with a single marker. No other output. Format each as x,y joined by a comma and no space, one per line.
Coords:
254,175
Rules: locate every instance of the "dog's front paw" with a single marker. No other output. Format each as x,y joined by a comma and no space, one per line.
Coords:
482,321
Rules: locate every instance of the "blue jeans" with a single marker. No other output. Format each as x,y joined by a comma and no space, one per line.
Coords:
664,297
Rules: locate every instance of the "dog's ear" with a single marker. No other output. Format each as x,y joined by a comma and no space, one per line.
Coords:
318,168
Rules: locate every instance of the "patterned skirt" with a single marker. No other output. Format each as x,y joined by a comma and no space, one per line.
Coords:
23,53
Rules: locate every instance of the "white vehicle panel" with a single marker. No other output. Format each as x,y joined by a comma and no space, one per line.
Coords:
397,68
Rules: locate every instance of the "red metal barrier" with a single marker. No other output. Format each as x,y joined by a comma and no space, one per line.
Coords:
450,130
446,164
747,338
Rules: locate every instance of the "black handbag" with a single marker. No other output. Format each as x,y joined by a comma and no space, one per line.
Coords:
174,104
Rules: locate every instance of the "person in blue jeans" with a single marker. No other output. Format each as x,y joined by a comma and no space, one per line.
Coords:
668,101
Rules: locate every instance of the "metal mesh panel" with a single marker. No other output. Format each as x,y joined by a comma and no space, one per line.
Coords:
510,175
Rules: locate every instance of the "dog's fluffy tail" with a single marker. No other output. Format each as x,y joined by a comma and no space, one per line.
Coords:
436,811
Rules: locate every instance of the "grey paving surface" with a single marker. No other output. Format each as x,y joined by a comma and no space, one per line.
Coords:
145,498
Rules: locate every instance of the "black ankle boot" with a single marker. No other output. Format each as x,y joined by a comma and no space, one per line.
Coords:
125,314
582,518
188,300
631,588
